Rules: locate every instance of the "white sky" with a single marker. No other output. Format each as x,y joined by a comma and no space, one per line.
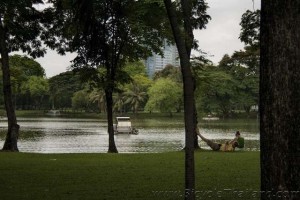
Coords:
219,38
222,33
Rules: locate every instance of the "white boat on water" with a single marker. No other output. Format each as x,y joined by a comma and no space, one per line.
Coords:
210,118
123,125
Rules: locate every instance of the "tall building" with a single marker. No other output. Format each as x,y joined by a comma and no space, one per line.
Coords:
157,62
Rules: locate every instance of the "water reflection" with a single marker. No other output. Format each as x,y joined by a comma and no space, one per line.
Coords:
58,135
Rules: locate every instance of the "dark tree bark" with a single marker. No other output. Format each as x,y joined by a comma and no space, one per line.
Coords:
280,99
111,138
13,128
184,42
196,143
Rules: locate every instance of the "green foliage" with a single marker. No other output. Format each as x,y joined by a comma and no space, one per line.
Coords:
133,31
119,102
98,78
22,24
214,91
250,32
80,100
98,96
24,71
169,71
135,96
131,96
248,58
142,81
199,16
62,87
37,86
233,85
27,66
244,67
165,96
135,68
114,41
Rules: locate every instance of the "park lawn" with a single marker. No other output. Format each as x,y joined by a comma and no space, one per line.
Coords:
126,176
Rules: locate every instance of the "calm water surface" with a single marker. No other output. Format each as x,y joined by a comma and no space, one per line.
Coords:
61,135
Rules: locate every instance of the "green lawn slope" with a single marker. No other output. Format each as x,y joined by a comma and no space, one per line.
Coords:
127,176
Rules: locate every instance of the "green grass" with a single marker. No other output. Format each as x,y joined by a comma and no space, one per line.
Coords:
126,176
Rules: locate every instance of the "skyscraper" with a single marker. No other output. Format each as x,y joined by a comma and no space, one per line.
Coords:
157,62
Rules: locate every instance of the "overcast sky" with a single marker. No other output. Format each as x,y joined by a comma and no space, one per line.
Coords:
219,38
222,33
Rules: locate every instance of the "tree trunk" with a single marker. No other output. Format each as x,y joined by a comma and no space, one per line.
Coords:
111,138
189,129
196,143
280,99
13,128
184,45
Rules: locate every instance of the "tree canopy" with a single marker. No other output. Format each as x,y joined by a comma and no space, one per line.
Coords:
250,28
27,66
62,87
165,96
21,24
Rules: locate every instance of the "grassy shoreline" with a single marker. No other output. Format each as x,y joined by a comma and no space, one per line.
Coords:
127,176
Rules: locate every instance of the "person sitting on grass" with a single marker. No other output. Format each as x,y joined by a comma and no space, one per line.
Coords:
227,146
239,139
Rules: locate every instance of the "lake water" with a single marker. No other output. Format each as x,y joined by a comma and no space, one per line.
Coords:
62,135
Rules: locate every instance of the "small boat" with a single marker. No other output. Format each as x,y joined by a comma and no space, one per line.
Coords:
123,125
210,118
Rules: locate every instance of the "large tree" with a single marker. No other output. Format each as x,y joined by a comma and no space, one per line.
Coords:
215,91
19,28
22,68
38,89
280,99
165,95
192,14
243,67
107,34
134,94
62,87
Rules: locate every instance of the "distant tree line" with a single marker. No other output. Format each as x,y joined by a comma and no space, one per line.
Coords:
222,90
